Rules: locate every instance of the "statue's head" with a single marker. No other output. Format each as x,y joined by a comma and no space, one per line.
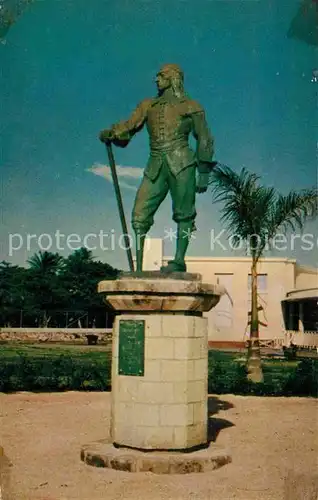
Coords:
170,75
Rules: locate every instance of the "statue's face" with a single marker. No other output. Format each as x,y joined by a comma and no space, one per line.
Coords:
163,80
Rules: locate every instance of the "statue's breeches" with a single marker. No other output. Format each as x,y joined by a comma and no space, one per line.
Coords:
151,194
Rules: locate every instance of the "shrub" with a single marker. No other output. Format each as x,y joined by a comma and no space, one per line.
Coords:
51,370
304,380
57,373
290,352
226,376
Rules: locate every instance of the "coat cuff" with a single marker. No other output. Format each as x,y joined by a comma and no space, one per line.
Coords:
205,167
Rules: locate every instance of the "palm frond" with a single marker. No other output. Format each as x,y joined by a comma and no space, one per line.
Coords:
291,211
46,262
246,205
255,213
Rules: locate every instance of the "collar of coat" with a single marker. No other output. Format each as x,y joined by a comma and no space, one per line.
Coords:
173,100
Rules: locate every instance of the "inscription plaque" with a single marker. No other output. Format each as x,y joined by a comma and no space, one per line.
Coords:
131,356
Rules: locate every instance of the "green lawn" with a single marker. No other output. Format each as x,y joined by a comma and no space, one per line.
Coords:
54,367
80,367
53,350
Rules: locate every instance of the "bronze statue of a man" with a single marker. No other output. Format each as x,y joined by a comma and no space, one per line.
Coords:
172,166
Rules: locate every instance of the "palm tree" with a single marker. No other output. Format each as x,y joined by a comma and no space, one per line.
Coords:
80,276
45,267
10,12
46,262
12,293
79,260
254,214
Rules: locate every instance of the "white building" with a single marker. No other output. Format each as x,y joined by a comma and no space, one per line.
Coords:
287,296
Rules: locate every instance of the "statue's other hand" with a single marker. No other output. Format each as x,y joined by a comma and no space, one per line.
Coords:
202,182
106,135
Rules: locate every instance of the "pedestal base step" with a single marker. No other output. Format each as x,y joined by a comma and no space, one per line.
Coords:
104,454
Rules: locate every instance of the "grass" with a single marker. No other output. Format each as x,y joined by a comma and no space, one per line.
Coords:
11,351
54,368
80,367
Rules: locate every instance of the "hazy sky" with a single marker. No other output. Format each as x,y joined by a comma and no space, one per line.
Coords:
71,68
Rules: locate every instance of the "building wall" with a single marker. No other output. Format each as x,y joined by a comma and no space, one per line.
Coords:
228,321
306,277
153,254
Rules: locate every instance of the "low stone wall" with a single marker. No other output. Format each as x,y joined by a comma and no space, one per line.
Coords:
73,335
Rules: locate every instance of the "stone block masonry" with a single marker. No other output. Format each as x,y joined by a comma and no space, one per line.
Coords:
166,408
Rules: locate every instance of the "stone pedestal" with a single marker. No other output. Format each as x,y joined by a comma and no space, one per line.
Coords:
160,359
166,407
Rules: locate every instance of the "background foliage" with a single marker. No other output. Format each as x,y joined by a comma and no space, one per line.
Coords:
35,368
52,285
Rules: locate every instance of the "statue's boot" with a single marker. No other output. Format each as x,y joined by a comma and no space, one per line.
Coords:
174,267
178,264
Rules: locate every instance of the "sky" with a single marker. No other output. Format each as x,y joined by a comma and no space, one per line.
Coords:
71,68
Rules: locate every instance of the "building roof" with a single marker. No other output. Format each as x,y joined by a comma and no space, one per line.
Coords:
306,293
234,259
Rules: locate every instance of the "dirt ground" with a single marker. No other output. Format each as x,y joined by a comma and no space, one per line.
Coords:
273,442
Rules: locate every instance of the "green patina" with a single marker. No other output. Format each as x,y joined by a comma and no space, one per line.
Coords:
170,118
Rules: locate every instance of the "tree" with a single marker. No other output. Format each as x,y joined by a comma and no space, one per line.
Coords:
254,214
52,287
304,25
80,277
11,10
45,290
12,293
46,262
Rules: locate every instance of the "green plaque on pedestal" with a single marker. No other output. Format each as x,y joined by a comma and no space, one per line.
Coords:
131,356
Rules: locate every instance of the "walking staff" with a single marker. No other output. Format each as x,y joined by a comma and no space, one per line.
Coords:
119,203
